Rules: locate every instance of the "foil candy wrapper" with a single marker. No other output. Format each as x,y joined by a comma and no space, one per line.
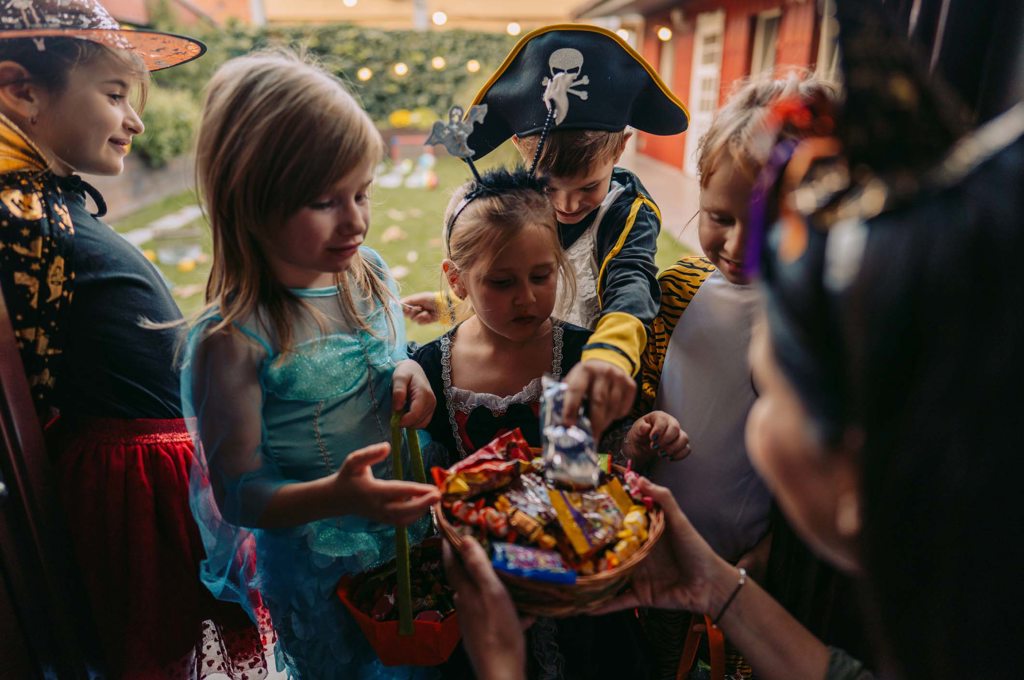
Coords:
569,453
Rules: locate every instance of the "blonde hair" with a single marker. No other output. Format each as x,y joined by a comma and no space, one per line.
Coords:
571,153
738,127
277,132
487,224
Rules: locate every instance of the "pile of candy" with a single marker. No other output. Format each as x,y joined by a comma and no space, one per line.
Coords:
544,522
376,592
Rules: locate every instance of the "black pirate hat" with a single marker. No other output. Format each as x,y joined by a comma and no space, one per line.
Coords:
574,77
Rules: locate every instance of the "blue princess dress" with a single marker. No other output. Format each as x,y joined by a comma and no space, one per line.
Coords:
265,420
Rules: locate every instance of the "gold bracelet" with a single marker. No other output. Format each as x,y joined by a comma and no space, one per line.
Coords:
739,584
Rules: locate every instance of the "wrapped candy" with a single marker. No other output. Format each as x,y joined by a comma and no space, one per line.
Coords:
530,496
589,520
569,453
532,563
493,467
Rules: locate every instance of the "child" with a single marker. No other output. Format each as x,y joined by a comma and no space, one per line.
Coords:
297,363
695,366
565,94
76,292
504,258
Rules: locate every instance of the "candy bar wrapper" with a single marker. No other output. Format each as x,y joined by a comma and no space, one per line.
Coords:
532,563
511,446
530,496
569,453
589,520
493,467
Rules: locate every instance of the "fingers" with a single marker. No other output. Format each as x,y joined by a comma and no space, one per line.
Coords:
424,316
680,448
577,385
407,511
479,568
454,571
421,408
400,389
361,459
662,497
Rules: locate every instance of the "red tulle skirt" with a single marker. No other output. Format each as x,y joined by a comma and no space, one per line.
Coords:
124,486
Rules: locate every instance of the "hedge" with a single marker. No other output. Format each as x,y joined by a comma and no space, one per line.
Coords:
344,50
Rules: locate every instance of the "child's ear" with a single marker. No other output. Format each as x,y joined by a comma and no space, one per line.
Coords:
622,147
451,273
19,96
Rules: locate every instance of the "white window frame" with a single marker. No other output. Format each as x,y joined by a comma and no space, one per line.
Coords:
705,84
827,63
762,56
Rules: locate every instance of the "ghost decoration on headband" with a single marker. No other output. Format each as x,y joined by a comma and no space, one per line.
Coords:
453,134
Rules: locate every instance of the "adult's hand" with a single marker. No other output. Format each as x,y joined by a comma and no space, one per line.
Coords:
491,631
682,572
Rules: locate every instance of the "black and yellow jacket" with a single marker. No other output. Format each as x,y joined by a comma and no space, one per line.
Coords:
627,280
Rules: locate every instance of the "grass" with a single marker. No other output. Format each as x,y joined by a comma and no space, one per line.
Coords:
413,214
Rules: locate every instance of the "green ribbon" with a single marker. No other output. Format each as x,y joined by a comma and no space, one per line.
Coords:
403,568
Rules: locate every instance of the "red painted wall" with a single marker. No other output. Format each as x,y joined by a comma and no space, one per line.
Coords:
797,45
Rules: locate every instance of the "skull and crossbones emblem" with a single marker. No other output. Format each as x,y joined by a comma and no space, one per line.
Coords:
565,66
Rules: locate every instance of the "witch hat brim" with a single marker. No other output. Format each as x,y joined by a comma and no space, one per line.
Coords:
157,49
612,87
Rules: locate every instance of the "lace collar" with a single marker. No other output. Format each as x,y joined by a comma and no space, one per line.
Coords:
465,401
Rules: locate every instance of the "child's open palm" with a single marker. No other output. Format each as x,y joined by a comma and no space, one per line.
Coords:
388,501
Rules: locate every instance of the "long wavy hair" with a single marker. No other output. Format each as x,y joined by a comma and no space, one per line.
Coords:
277,131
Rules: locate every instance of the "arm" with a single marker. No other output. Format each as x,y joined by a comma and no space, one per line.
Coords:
249,489
35,279
682,572
627,283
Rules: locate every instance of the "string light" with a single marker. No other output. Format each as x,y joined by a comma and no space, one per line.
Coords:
439,18
364,74
400,69
350,3
664,34
438,63
472,65
514,28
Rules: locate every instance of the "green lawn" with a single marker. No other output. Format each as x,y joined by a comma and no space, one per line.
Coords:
405,230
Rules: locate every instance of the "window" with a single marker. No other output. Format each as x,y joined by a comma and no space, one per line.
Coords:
766,38
667,60
828,48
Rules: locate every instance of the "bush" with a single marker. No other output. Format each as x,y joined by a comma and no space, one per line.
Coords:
170,117
425,92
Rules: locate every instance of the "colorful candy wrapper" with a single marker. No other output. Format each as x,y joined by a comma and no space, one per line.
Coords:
569,453
532,563
494,466
589,520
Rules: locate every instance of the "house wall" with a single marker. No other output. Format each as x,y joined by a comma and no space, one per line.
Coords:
796,46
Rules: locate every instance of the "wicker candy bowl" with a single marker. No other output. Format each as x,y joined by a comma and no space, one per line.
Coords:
560,552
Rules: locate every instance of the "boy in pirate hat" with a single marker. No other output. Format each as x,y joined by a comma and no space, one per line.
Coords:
565,95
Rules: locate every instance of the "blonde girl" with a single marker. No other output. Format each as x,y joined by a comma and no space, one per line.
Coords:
695,368
504,258
298,361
